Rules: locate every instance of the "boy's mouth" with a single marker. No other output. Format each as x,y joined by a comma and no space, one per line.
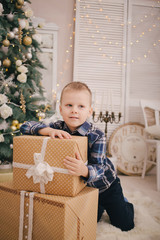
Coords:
74,117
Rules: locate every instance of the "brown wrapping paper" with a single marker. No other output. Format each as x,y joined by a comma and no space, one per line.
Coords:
56,150
54,217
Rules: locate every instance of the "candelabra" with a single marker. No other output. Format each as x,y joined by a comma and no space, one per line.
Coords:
107,117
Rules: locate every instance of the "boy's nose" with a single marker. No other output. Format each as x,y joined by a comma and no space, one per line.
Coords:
74,109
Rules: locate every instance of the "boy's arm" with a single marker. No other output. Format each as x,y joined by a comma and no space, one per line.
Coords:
31,127
39,128
76,166
47,131
95,168
99,166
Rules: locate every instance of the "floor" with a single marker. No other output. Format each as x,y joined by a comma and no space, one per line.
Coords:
147,185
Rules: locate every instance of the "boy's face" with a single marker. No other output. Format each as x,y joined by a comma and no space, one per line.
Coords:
75,108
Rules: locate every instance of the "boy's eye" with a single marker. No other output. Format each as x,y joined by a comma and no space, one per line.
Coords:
81,106
69,105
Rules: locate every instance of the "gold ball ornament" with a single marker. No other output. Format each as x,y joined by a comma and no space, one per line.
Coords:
6,42
15,122
20,2
6,63
27,40
18,6
19,125
14,128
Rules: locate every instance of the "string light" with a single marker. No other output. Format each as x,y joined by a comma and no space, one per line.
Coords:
134,26
101,36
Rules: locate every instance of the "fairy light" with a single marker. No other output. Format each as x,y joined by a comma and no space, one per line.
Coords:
101,36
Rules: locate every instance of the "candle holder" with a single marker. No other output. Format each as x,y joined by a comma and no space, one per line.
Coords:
107,118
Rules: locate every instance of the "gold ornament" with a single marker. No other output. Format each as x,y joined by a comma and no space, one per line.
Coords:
41,115
6,63
27,40
20,2
19,125
13,128
18,6
6,42
22,102
15,122
47,107
20,34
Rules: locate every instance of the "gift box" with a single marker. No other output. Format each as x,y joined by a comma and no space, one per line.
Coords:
38,164
35,216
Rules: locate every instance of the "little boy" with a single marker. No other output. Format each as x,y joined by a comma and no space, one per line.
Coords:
75,108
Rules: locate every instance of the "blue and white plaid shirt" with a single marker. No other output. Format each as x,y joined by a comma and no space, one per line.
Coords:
101,170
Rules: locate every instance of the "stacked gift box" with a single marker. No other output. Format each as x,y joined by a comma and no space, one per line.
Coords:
44,201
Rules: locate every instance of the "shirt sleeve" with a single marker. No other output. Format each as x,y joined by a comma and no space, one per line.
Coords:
96,161
32,127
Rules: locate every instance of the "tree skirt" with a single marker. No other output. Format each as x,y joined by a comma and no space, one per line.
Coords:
147,221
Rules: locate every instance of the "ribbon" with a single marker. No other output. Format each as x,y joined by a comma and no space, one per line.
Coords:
41,172
30,215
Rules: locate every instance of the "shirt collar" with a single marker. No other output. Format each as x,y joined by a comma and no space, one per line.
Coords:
82,130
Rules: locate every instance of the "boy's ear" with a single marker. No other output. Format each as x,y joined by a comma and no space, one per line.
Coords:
60,108
90,111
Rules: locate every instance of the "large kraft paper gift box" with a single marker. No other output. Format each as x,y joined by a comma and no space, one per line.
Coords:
38,164
36,216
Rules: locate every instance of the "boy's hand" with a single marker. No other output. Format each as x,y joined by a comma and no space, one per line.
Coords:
54,133
59,133
76,166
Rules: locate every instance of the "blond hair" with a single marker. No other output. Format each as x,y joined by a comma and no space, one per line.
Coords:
77,86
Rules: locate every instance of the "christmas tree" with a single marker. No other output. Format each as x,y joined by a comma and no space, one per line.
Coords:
21,92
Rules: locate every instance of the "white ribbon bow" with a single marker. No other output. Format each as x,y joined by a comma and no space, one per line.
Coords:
41,172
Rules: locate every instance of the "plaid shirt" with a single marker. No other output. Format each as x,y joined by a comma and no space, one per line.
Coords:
101,170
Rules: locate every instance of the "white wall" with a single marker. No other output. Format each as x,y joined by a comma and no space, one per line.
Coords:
61,13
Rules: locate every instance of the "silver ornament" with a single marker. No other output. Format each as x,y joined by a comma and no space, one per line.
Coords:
4,49
22,23
10,16
11,146
11,35
15,30
29,56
